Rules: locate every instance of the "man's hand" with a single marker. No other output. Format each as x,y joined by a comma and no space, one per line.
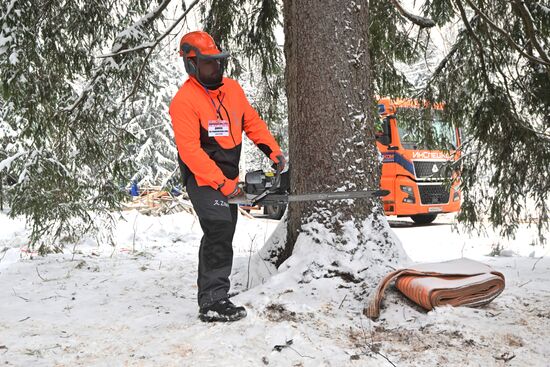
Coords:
280,164
230,189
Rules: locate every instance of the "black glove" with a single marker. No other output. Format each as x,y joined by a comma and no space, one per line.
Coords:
280,165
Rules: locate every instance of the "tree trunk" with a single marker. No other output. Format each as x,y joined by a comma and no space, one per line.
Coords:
331,113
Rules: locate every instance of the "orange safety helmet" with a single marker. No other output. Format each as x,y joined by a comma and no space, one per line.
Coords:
199,43
201,46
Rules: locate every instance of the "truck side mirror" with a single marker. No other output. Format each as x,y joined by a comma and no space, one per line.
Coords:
385,137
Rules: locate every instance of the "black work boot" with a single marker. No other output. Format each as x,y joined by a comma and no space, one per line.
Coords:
221,310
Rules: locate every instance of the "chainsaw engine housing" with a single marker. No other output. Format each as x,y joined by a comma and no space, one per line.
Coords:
257,182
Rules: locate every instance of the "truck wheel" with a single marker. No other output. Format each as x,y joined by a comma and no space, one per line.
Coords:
423,219
274,211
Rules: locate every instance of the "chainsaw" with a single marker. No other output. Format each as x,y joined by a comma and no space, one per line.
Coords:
273,188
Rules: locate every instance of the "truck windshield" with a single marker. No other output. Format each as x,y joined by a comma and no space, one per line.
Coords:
425,129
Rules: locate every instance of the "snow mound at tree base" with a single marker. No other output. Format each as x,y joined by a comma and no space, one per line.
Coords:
359,256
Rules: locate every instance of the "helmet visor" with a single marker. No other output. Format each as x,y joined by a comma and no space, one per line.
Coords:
210,68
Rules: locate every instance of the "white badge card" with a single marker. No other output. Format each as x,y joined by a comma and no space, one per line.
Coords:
218,128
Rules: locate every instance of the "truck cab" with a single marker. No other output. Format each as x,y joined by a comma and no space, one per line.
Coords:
421,177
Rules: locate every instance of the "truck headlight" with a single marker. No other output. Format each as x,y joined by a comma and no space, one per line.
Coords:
407,189
410,199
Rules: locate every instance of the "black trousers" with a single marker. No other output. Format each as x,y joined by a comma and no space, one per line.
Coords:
218,220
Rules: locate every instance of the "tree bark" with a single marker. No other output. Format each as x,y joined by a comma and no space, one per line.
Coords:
331,112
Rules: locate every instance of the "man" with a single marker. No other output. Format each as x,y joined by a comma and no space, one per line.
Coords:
209,114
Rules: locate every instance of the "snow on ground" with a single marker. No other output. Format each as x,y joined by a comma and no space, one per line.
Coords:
135,305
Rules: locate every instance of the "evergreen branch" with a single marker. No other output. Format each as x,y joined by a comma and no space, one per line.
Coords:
518,80
84,93
530,29
541,134
5,163
502,74
157,41
443,63
446,59
150,45
146,20
507,36
478,43
418,20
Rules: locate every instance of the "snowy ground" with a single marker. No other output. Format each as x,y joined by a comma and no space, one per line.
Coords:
134,305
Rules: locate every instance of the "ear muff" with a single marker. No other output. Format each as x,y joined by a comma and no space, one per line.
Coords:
186,48
190,68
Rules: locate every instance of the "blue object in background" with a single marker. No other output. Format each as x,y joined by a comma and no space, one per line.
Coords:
176,191
134,190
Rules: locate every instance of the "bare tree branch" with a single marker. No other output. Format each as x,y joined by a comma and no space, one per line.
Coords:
537,60
416,19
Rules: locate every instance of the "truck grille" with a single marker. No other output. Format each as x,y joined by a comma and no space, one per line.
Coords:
430,169
434,194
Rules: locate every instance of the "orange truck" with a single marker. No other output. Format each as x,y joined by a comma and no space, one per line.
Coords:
421,181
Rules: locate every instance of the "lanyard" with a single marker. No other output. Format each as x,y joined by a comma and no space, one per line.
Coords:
218,113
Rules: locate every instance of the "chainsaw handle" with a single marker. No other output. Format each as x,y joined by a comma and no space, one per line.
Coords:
276,181
274,187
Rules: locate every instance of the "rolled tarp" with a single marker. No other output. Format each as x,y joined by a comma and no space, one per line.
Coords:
460,282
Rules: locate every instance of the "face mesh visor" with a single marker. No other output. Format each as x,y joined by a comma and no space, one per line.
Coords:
210,68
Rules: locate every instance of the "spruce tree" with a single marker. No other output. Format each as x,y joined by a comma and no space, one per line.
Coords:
153,152
495,82
71,109
67,114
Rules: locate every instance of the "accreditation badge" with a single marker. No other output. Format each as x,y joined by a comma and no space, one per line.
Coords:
218,128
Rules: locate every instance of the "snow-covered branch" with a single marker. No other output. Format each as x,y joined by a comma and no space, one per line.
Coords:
144,21
416,19
120,46
152,44
84,93
157,41
6,163
128,50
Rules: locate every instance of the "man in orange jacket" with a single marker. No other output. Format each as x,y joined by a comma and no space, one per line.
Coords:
209,114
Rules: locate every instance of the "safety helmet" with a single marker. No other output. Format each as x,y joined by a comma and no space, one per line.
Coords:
201,46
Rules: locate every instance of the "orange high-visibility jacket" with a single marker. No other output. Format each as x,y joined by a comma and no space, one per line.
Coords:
208,126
